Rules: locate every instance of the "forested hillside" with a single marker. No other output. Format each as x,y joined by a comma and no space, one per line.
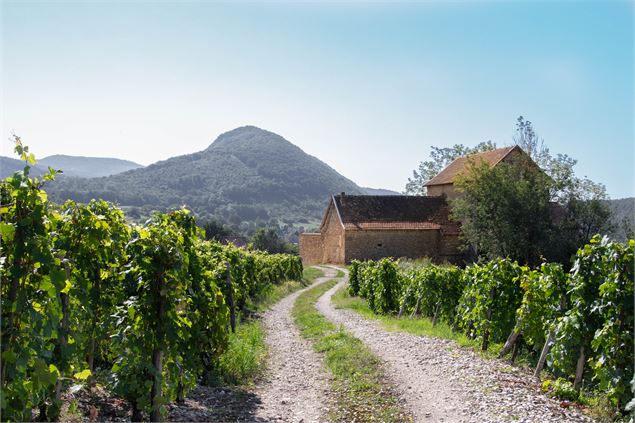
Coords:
246,176
623,210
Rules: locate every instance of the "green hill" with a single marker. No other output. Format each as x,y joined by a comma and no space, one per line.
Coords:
246,176
9,166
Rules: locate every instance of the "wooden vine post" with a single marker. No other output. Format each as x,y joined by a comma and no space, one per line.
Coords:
492,296
543,355
579,371
156,394
403,303
417,309
230,298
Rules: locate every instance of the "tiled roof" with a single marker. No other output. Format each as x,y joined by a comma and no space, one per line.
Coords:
447,175
392,225
396,212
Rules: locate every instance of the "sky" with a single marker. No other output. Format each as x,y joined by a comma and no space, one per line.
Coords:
367,87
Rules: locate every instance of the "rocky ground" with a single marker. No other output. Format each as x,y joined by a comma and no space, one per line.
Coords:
296,386
441,382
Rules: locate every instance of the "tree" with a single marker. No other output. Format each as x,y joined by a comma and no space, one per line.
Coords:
267,239
215,229
439,159
515,210
583,210
504,210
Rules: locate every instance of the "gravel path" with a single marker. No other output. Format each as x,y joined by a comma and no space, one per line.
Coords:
296,386
441,382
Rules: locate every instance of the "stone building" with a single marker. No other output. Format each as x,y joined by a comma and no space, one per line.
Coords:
363,227
374,226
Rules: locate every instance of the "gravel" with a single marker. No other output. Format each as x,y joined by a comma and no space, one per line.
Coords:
296,387
441,382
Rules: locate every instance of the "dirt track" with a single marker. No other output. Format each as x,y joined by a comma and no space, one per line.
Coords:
441,382
296,386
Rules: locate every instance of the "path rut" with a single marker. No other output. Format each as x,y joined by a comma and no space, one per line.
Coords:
296,387
441,382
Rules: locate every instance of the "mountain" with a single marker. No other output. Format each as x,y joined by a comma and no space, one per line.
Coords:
246,175
87,167
379,191
623,219
9,166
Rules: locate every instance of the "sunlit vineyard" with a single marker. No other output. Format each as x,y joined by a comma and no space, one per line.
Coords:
578,324
85,294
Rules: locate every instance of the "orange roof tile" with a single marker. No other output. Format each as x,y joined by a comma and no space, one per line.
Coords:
447,175
392,225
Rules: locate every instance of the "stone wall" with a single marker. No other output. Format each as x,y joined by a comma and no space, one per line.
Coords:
332,238
369,244
439,190
450,249
311,248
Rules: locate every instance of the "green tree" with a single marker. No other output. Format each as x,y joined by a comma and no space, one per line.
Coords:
216,230
504,210
267,239
581,209
439,159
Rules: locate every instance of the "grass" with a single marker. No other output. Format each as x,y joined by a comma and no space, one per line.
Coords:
245,359
417,326
358,381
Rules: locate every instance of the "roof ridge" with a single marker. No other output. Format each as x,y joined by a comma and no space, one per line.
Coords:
447,175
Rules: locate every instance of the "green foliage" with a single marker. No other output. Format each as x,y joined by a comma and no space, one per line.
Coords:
245,357
492,294
353,277
433,291
31,282
83,289
524,208
590,307
561,388
600,318
544,301
504,210
268,239
215,230
380,283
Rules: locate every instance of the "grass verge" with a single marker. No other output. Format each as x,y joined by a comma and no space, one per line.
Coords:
245,358
360,394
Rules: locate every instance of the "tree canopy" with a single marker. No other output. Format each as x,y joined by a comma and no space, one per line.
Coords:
516,209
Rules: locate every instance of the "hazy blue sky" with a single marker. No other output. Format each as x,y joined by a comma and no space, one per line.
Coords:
366,87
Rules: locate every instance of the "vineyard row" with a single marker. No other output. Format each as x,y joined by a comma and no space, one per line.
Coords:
87,295
578,324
